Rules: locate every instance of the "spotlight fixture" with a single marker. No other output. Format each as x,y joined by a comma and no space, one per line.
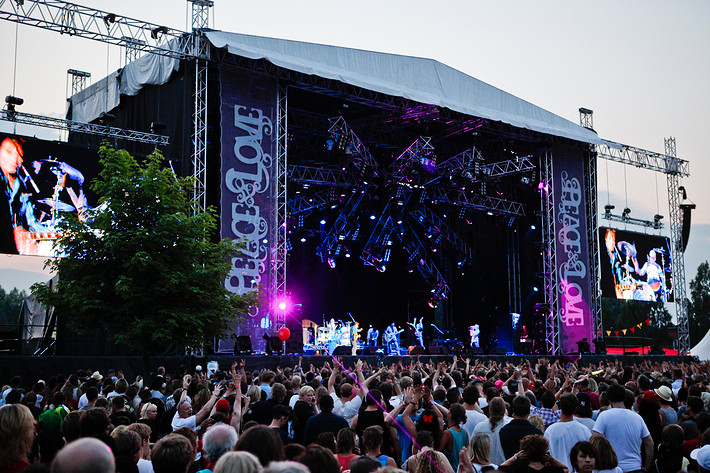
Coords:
109,19
608,208
12,102
626,212
157,127
155,32
104,118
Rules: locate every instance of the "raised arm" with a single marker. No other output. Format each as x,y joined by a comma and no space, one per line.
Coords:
205,411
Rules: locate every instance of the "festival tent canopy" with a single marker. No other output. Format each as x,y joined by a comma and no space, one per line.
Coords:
418,79
702,349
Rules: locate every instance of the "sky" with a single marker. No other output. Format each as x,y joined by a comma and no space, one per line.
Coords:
641,66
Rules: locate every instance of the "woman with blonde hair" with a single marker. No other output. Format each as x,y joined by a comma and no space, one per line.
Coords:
149,417
480,451
238,462
17,432
304,409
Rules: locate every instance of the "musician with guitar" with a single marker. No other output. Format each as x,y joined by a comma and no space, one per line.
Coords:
390,338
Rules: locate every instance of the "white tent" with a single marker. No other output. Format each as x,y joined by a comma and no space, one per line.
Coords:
702,349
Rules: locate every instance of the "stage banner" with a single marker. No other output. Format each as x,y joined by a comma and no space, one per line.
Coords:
572,249
247,201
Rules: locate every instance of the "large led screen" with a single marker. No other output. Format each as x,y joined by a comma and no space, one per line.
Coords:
635,266
42,183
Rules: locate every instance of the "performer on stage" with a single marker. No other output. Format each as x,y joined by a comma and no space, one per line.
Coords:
655,277
335,336
474,331
418,330
372,336
391,338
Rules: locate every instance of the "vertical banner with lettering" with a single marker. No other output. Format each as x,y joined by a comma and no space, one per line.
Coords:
572,248
248,111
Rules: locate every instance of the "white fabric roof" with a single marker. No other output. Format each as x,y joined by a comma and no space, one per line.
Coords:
422,80
702,349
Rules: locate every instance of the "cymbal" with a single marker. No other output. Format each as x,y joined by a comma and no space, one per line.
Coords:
626,248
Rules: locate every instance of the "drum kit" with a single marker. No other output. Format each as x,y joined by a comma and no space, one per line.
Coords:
631,288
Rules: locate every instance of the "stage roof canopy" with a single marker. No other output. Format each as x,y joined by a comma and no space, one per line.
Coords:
421,80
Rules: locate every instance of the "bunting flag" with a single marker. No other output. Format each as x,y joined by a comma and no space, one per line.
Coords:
632,329
648,321
608,333
624,331
616,332
639,325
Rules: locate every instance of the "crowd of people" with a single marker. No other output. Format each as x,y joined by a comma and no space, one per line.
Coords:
465,416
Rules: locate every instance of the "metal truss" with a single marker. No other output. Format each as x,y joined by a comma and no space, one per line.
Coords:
277,279
380,239
348,140
421,148
507,168
199,137
78,127
344,224
76,20
483,202
201,13
642,158
549,260
78,80
305,204
320,176
467,163
678,261
425,216
418,257
595,305
655,224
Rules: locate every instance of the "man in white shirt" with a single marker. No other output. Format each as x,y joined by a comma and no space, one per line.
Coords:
474,416
626,431
563,434
348,404
184,416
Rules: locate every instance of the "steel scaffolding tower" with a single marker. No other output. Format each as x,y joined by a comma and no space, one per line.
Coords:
78,80
676,225
549,259
277,281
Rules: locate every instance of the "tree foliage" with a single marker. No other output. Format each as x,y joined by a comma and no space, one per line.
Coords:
141,264
10,305
699,306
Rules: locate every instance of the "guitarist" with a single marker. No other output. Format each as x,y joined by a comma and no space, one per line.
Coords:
390,337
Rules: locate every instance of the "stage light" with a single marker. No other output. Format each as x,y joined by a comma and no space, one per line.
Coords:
157,127
155,32
608,208
535,289
282,305
12,101
303,239
347,254
373,217
532,227
265,241
109,19
331,262
329,145
104,118
626,212
322,222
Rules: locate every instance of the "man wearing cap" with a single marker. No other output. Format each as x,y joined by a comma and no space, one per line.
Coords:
583,414
626,431
702,456
665,398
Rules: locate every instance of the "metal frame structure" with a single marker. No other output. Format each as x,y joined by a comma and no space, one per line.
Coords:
79,127
673,175
78,79
277,282
549,259
595,304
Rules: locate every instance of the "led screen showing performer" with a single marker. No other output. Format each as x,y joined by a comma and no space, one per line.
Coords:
636,267
42,182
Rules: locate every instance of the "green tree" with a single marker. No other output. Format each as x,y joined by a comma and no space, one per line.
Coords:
142,264
699,304
10,305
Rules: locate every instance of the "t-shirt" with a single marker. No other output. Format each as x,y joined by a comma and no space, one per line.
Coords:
473,418
588,422
346,410
145,466
562,437
513,432
178,422
624,429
